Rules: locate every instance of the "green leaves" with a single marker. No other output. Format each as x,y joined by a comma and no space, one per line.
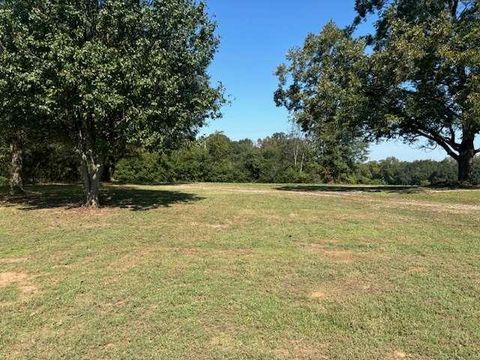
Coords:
108,73
323,86
417,76
139,68
24,99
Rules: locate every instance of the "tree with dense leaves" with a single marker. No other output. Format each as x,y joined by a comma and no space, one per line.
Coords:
24,65
417,77
130,72
319,86
425,74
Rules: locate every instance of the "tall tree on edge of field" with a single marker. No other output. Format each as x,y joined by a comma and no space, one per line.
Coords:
131,72
425,69
319,86
24,100
417,77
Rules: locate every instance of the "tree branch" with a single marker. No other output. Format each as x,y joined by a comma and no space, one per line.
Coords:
440,141
453,7
453,142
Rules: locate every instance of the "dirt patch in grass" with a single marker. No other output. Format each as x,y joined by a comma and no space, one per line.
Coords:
344,288
416,270
222,341
221,252
8,261
318,295
335,255
302,350
128,262
212,226
20,279
345,256
397,355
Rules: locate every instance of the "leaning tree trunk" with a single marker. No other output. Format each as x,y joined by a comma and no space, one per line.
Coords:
91,172
16,179
465,163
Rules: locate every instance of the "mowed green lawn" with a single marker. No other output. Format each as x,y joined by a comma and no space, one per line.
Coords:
224,271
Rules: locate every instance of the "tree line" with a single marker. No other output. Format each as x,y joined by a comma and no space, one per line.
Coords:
86,83
280,158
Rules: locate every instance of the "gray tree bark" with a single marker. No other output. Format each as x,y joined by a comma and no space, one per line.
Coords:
91,171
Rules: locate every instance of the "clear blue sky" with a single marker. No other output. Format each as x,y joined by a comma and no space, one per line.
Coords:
255,37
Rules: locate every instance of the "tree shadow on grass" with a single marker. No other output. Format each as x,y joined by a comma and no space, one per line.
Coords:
352,188
71,196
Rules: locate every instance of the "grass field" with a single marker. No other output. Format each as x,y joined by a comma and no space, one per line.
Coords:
224,271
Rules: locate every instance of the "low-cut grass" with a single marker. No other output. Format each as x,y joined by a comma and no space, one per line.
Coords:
229,271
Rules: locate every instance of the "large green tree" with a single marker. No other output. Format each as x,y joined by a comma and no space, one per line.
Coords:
416,77
425,74
24,65
319,86
130,72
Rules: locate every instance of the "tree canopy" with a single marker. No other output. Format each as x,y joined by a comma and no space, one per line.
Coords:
319,86
24,65
417,76
119,72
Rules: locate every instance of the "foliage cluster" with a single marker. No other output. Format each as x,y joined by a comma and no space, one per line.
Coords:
216,158
280,158
414,77
101,75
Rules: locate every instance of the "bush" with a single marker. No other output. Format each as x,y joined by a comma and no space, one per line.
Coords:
3,181
142,169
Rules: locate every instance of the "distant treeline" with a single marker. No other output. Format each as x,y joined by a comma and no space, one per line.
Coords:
280,158
277,159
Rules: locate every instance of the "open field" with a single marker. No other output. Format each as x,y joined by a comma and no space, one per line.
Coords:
227,271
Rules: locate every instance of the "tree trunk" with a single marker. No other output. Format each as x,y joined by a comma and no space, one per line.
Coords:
16,179
301,162
91,172
465,163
